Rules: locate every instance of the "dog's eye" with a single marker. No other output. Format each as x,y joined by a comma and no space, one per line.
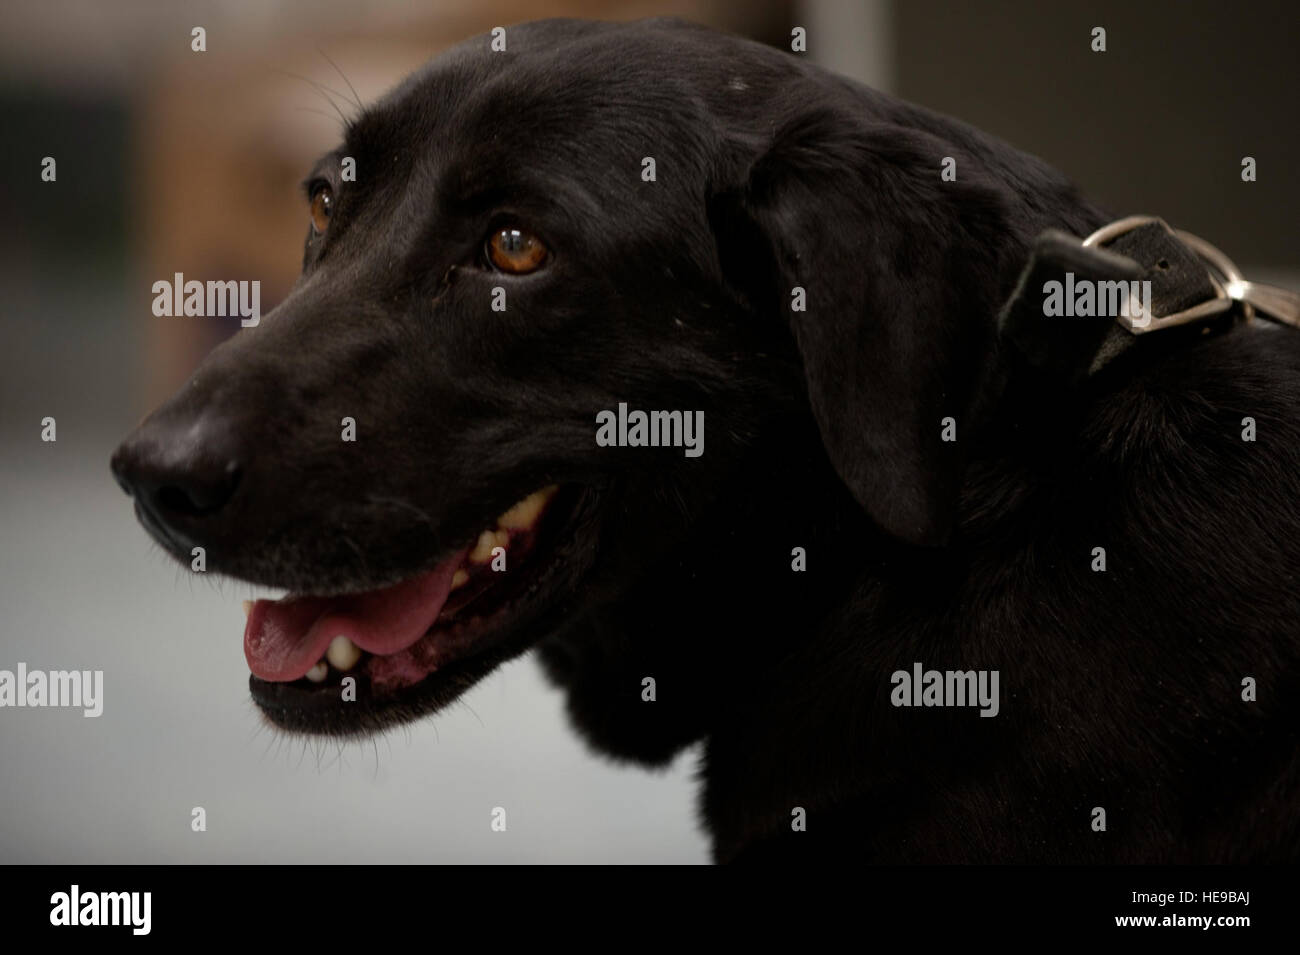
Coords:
322,207
516,251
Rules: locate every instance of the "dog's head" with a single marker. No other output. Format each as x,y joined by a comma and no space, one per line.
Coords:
647,215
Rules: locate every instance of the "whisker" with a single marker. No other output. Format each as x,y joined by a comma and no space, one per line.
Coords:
365,567
320,88
355,97
407,505
321,112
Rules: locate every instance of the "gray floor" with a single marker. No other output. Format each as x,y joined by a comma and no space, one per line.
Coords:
82,587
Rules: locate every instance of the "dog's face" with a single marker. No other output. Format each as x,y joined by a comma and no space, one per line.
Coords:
408,442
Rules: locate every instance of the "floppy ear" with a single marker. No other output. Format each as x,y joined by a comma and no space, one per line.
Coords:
903,275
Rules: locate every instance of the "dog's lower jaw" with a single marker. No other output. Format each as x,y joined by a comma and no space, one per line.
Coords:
484,622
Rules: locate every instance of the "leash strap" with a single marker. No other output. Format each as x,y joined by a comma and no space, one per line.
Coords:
1081,303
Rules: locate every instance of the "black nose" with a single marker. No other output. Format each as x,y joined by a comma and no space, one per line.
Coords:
183,476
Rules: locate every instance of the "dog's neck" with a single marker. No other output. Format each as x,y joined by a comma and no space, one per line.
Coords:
744,596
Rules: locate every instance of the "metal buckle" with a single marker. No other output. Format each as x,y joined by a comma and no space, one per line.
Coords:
1230,287
1224,275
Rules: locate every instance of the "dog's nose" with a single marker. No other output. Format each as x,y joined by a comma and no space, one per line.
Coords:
183,476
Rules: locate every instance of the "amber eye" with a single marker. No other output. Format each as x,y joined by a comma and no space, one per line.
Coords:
516,251
322,206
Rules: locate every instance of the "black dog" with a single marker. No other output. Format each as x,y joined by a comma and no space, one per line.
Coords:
507,266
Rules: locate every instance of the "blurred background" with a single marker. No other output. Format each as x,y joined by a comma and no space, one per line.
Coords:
174,161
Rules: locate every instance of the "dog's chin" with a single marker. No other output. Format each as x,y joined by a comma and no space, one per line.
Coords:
492,600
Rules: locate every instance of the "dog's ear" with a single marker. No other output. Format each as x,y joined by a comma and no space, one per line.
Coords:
901,273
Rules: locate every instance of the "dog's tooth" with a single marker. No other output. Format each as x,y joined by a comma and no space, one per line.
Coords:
248,607
483,547
524,514
318,673
343,653
458,579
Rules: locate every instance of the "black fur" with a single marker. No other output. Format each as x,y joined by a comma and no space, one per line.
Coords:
1119,689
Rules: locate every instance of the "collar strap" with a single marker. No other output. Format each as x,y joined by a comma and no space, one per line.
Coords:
1080,303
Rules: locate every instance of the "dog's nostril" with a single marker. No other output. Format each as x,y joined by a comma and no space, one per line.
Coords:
198,497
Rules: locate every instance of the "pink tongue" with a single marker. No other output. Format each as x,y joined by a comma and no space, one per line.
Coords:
283,639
